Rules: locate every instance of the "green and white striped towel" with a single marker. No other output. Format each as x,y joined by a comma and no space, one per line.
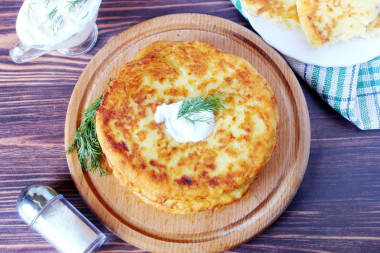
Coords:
353,91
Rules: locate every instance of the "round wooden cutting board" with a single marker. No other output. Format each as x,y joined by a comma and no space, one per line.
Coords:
213,230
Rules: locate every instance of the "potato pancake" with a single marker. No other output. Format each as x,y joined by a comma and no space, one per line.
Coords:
373,29
326,21
279,12
322,21
192,176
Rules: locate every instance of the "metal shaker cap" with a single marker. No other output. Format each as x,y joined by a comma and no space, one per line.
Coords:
32,200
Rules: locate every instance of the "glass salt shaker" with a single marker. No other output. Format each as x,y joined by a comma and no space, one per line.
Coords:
59,222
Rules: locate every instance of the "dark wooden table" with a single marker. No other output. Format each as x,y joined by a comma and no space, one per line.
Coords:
337,207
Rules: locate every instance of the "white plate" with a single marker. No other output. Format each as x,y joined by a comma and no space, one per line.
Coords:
294,44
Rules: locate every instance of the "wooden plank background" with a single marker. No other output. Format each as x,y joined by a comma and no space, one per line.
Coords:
337,207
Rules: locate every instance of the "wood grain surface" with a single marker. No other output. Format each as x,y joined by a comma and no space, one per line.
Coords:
336,209
214,230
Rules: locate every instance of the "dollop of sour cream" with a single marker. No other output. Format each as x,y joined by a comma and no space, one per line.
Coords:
181,129
56,24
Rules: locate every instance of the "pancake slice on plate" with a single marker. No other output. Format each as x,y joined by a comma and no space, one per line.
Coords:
325,21
373,29
279,12
193,176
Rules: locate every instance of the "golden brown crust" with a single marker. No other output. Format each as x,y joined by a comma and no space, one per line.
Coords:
322,21
185,177
325,21
280,12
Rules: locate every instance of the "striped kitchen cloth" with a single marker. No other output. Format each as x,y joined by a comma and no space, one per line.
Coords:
353,91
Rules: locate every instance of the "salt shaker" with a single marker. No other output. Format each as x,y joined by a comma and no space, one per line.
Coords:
59,222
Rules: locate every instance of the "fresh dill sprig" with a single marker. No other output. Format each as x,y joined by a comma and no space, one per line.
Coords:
73,4
47,2
29,9
85,15
55,22
86,141
52,13
191,106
